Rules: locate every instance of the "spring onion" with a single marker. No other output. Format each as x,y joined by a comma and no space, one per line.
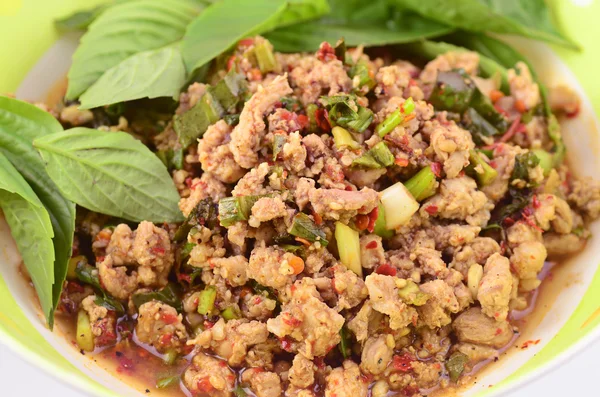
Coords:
230,314
360,70
170,357
396,118
484,173
84,337
379,156
343,110
342,138
311,113
206,302
399,205
455,365
167,382
422,185
479,127
235,209
193,124
345,342
171,158
348,245
265,58
72,266
546,160
380,228
304,227
412,295
203,214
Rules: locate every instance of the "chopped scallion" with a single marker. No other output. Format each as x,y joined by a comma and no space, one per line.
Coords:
304,227
342,138
396,118
422,185
348,245
206,303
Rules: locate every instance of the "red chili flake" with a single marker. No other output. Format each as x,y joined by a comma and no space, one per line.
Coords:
371,245
257,300
184,277
373,215
291,320
401,161
361,222
326,53
507,222
188,182
436,168
402,363
498,330
348,188
492,164
501,110
231,62
254,74
245,42
323,119
535,201
319,362
528,343
169,318
204,386
366,378
520,106
208,324
386,269
432,209
302,121
158,250
286,344
410,390
166,339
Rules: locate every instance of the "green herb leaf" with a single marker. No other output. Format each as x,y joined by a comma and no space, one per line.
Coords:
31,228
208,36
171,295
20,124
79,20
304,227
111,173
528,18
148,74
370,23
124,30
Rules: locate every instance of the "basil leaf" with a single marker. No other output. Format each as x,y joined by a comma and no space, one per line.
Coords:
124,30
31,228
79,20
20,124
528,18
148,74
208,36
371,23
111,173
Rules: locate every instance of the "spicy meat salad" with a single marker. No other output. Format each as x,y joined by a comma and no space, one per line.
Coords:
355,225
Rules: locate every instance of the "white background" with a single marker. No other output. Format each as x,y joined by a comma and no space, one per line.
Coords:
575,378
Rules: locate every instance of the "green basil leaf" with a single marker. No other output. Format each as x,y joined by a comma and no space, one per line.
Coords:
79,20
20,124
528,18
111,173
148,74
31,228
371,23
223,24
124,30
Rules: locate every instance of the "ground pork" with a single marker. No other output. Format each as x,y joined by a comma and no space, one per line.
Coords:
232,340
102,321
246,136
503,163
346,381
459,199
495,287
294,153
302,372
207,186
372,253
384,298
558,245
442,302
311,327
585,195
340,204
263,383
467,60
269,266
209,374
349,287
215,155
267,209
450,144
552,211
522,86
392,80
313,78
377,354
472,326
161,327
